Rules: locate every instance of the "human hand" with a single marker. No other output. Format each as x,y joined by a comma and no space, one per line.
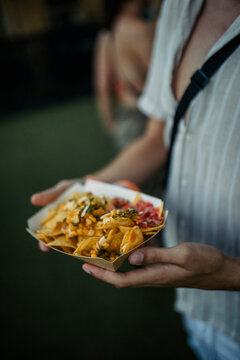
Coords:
47,196
189,265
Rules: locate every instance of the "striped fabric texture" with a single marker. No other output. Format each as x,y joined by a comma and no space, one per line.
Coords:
203,195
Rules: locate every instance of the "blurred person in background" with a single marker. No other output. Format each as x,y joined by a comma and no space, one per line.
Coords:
121,61
202,237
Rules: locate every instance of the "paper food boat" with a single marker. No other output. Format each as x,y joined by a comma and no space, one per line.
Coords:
99,189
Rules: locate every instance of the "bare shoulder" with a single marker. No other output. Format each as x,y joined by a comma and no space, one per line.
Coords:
130,28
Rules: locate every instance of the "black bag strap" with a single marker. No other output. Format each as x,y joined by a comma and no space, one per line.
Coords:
198,82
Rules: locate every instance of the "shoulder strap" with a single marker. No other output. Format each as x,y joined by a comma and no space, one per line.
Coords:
198,82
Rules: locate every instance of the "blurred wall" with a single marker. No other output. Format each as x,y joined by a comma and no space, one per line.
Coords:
23,18
46,50
27,17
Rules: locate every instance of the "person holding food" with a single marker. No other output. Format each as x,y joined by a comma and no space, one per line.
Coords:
202,236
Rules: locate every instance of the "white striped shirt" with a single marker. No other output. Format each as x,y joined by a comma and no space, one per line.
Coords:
203,196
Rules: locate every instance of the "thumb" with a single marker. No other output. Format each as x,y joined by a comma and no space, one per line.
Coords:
47,196
154,255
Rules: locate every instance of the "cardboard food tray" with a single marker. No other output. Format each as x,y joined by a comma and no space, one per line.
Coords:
100,189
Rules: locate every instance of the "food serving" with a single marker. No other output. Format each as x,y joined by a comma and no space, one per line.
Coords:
98,226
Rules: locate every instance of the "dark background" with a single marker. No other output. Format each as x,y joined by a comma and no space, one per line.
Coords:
50,130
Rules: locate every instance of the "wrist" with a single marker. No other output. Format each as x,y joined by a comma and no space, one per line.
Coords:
231,273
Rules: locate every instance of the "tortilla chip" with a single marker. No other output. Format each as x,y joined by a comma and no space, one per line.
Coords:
68,250
63,241
131,239
161,209
50,215
116,222
44,238
124,229
49,232
86,245
110,234
155,228
114,245
58,217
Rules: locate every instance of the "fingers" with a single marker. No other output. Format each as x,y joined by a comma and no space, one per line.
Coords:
147,255
146,276
157,275
47,196
129,185
43,247
134,278
92,177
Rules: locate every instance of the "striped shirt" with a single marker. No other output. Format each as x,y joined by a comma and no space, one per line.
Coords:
203,195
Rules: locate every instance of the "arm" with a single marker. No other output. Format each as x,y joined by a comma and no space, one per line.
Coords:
140,159
103,73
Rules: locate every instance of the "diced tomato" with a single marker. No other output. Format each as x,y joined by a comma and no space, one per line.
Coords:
120,203
148,215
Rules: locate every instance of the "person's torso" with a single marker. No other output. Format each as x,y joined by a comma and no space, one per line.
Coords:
203,194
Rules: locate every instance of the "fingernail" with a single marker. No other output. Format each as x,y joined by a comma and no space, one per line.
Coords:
137,258
87,271
32,198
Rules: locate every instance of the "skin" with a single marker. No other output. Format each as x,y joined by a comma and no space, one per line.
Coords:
119,56
189,265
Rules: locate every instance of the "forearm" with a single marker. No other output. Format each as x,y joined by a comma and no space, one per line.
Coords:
138,161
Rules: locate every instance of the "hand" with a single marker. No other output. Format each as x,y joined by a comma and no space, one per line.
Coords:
190,265
47,196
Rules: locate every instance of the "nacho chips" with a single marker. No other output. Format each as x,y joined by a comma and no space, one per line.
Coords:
100,227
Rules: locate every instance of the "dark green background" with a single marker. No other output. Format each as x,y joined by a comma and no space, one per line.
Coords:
50,308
